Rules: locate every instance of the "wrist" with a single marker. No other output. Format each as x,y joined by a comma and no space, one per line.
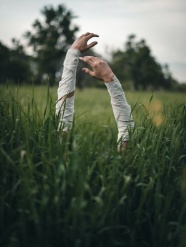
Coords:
74,47
74,51
109,78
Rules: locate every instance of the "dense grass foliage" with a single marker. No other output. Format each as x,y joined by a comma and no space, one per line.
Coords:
77,190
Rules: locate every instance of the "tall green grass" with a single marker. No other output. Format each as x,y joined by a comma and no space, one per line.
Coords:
77,190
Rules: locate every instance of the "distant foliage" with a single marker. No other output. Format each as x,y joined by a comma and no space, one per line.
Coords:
14,64
50,40
136,64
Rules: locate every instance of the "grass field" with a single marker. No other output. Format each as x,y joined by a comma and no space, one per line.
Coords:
78,191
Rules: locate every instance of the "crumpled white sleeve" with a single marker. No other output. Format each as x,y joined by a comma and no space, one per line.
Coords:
65,108
121,109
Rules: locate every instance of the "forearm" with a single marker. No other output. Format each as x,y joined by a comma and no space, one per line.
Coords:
121,110
66,88
68,79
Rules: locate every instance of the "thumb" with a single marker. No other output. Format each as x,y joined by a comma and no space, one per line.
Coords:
91,73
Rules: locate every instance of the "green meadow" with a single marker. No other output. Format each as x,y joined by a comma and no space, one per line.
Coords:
78,190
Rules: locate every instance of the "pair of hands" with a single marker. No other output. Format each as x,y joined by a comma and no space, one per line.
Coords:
100,69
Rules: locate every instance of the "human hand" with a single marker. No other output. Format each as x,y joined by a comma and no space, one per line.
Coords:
101,69
81,42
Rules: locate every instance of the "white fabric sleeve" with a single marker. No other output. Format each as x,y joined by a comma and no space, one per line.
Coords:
65,108
121,109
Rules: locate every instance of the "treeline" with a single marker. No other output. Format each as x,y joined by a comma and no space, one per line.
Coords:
49,41
15,64
136,65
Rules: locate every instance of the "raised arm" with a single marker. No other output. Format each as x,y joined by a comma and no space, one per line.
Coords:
66,88
121,109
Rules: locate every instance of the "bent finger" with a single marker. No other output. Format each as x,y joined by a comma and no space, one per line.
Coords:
84,35
92,44
91,35
97,59
88,60
87,33
88,71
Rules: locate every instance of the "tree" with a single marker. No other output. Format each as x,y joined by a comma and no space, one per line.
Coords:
50,40
4,54
14,64
137,64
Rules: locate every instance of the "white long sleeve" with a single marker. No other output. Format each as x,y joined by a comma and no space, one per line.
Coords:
65,108
121,109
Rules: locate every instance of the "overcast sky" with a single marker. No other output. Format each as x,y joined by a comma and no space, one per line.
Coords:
162,23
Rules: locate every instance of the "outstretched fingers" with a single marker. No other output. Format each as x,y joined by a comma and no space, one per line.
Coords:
88,36
90,61
100,68
81,43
